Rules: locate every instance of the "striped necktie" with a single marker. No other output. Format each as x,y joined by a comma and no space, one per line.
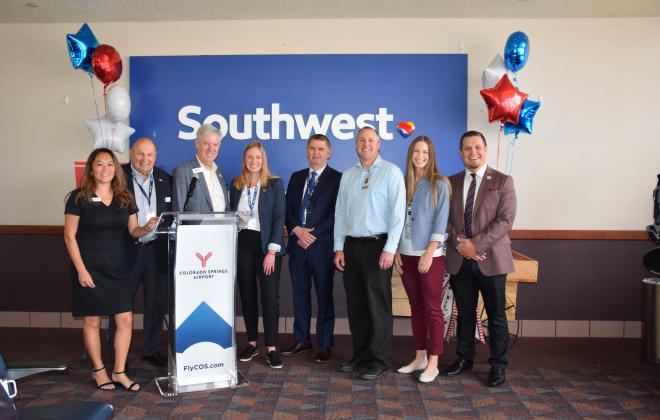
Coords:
469,206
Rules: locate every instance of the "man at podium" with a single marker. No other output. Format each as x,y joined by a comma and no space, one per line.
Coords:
199,184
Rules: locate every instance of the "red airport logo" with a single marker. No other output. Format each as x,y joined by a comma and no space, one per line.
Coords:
204,258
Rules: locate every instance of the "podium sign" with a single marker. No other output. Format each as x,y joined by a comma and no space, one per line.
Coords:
203,270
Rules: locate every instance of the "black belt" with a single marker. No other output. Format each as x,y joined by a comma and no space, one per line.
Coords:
367,238
145,244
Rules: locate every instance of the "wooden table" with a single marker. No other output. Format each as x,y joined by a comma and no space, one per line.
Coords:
526,271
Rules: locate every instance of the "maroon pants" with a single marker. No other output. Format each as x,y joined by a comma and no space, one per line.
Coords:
425,296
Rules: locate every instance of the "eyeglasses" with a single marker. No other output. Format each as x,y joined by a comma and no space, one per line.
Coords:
365,183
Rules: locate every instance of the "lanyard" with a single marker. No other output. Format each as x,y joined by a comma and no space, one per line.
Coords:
151,187
251,202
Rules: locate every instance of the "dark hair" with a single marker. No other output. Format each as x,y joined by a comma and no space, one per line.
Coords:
471,133
122,197
321,137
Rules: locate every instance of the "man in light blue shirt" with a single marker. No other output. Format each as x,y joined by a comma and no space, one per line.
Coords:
369,218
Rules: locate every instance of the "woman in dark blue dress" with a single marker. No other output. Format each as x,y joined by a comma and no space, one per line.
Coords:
95,221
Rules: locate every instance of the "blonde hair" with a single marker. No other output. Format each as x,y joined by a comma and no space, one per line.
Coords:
265,176
431,171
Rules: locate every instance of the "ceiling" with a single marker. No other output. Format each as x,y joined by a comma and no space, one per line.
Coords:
61,11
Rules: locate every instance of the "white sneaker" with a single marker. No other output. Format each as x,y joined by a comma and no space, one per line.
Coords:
411,367
430,378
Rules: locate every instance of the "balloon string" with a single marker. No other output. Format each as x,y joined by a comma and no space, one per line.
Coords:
96,106
510,154
499,134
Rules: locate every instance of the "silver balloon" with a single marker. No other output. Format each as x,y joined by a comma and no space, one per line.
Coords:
106,133
494,72
118,104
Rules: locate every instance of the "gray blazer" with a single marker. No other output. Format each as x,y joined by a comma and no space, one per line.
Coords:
429,223
201,198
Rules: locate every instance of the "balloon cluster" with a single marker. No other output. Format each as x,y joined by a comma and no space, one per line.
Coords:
505,102
86,54
104,62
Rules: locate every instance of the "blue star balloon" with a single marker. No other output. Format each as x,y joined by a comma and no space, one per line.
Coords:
525,118
81,47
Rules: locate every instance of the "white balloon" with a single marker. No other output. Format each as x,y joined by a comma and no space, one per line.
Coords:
118,104
494,72
106,133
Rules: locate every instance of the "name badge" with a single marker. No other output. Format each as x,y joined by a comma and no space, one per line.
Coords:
168,199
197,170
96,199
252,223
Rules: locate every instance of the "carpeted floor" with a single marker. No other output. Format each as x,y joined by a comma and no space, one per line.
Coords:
547,378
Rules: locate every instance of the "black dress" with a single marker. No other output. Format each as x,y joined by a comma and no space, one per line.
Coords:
100,239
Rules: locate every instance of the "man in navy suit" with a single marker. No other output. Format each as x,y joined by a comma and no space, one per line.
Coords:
310,217
147,256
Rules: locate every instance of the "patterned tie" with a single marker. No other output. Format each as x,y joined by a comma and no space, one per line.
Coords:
469,206
306,198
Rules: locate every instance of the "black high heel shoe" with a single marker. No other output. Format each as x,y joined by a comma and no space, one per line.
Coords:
102,386
131,387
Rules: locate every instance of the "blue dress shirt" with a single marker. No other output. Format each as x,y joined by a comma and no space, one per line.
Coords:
371,202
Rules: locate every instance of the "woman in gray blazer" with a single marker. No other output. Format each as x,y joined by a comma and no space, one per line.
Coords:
258,198
420,258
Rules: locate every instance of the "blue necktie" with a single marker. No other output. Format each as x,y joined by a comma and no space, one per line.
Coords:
306,198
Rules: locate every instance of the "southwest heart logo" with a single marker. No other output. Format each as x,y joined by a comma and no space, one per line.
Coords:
204,258
406,128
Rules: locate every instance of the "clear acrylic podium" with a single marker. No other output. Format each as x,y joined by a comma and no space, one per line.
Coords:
202,273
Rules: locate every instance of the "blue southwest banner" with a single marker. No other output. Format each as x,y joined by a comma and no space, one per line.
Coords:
282,99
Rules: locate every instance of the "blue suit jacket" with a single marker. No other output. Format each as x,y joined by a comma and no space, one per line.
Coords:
201,198
271,212
163,189
321,210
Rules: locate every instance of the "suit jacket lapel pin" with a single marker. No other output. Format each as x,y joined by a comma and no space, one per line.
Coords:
488,177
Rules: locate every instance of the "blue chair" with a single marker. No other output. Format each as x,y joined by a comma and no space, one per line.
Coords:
88,410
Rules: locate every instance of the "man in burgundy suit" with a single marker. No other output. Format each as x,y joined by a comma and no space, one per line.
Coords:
483,207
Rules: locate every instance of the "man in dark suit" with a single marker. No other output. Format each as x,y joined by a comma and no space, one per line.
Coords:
310,217
483,207
210,192
147,256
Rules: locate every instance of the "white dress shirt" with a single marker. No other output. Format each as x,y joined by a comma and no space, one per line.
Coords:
213,184
146,205
468,179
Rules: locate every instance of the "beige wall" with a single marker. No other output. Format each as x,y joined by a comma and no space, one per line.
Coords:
591,163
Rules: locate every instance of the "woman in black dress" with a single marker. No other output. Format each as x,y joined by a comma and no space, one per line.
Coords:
95,221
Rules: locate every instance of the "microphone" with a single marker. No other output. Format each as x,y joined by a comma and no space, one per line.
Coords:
191,189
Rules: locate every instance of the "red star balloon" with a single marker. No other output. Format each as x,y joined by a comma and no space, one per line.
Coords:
503,101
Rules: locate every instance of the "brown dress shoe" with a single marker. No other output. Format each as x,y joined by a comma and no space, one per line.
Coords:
297,349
